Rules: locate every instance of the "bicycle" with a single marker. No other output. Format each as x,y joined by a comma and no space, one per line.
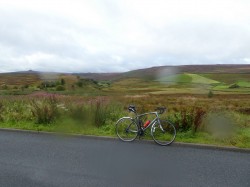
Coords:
128,129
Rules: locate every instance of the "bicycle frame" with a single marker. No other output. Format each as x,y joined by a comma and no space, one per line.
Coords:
156,119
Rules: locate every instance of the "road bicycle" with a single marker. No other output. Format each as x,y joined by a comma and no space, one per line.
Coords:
162,131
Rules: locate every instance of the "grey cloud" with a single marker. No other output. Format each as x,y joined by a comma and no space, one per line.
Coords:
123,41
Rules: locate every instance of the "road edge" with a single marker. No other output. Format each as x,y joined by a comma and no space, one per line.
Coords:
177,144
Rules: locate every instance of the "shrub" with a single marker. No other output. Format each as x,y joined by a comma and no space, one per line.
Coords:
1,111
210,94
45,111
188,119
62,82
79,83
198,117
60,88
105,112
4,87
234,86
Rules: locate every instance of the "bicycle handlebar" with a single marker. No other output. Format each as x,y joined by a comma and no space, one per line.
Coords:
161,109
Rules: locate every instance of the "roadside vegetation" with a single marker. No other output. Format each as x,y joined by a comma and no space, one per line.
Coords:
205,108
221,120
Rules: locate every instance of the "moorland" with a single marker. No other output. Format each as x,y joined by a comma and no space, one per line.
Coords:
207,103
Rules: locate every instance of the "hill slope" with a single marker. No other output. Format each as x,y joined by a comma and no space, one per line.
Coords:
221,73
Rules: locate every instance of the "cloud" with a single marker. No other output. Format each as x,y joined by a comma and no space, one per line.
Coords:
110,36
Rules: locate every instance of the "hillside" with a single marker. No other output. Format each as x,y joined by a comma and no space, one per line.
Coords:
187,78
19,78
230,78
154,72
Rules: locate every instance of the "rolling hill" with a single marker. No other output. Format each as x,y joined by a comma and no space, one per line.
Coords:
155,79
154,72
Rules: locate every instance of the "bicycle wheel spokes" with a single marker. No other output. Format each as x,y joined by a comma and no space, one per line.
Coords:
126,129
163,133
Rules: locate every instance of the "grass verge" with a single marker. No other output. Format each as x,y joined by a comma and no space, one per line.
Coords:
241,140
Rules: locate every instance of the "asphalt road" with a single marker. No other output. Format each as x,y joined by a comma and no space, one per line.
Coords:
28,159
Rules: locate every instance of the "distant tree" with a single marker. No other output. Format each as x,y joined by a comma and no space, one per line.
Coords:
62,82
48,84
15,87
235,85
210,94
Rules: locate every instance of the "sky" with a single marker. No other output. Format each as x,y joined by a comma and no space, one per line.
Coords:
121,35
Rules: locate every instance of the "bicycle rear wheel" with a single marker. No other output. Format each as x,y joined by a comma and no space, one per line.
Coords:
126,129
163,133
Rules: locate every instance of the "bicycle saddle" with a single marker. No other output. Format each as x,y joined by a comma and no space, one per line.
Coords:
132,108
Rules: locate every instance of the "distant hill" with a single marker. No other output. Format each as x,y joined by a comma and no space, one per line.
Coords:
214,72
99,76
154,72
19,78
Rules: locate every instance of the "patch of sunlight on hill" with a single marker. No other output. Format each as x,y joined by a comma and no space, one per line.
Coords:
187,78
245,84
197,79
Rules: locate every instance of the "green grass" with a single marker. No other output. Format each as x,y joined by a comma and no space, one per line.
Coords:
243,87
187,78
245,84
197,79
242,139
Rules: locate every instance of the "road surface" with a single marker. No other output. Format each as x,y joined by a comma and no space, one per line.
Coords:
29,159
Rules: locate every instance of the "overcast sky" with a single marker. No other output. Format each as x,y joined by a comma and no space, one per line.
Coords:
121,35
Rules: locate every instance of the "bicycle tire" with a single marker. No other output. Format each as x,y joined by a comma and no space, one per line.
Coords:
163,133
126,129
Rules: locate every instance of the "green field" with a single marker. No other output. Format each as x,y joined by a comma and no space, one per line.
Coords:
187,78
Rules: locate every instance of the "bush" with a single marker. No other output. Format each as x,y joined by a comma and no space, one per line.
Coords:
48,84
188,119
45,111
234,86
4,87
105,113
210,94
60,88
79,84
1,111
62,82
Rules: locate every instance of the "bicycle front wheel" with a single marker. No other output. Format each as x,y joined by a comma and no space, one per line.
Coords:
126,129
163,133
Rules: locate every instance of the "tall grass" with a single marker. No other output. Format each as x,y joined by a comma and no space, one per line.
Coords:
188,119
1,111
97,115
45,111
